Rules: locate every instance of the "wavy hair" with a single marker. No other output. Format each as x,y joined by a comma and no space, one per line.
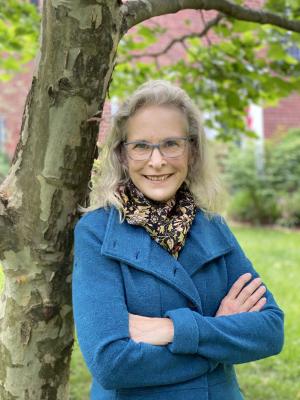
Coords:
112,171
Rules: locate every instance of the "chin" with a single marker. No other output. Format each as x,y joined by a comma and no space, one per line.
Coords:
159,196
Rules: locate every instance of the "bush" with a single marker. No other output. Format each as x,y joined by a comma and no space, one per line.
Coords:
271,195
284,162
258,207
289,206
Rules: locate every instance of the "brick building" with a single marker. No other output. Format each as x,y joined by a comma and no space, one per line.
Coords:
13,93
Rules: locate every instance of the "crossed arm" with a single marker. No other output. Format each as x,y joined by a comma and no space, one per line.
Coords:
242,297
247,326
101,318
124,351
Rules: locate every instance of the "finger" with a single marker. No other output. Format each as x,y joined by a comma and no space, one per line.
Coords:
238,285
248,290
259,305
254,298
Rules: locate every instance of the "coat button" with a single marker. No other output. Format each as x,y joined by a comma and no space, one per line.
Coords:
191,305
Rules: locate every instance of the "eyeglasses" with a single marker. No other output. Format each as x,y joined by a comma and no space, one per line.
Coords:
169,148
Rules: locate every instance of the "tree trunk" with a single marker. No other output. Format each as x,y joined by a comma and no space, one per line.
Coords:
39,198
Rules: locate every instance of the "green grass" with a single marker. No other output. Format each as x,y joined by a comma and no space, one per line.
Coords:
80,378
276,256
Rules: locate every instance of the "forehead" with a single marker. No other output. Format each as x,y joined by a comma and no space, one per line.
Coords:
155,123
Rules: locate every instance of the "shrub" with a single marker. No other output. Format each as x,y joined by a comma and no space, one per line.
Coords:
284,163
271,195
289,206
258,207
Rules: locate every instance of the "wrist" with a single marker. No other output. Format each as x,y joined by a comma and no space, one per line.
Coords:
169,326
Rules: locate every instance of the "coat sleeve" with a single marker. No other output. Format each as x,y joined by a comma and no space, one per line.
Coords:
231,339
101,320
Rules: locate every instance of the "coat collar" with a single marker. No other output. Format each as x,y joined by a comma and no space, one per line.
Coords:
134,246
205,241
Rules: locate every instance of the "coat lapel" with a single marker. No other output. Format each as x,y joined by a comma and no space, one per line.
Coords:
134,246
205,242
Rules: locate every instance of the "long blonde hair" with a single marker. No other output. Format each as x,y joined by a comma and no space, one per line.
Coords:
201,178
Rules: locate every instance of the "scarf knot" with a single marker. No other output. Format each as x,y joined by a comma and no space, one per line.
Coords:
167,222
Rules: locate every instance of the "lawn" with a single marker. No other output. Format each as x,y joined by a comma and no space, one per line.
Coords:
276,257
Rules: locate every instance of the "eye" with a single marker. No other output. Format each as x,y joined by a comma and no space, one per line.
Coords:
171,143
140,146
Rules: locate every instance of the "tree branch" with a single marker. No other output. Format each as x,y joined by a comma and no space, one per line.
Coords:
205,24
181,39
136,11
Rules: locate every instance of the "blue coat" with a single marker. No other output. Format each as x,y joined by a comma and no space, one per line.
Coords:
120,269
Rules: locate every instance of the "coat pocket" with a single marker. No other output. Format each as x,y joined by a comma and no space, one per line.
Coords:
194,389
225,391
154,394
223,385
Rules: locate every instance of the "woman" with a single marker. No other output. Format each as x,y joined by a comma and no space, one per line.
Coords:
165,301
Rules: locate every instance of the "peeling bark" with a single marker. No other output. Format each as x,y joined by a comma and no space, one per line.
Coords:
39,198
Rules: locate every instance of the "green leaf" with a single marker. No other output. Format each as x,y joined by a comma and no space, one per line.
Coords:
19,28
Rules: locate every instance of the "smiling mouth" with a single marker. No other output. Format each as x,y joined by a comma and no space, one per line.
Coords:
157,178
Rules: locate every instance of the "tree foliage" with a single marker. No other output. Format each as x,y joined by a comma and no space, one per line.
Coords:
19,27
249,63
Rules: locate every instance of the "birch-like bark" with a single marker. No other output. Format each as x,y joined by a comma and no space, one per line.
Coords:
39,198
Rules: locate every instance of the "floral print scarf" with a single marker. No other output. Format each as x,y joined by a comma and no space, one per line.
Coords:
167,222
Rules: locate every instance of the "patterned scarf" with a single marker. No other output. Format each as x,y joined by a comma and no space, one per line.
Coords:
167,222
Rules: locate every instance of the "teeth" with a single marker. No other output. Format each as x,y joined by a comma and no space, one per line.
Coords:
158,178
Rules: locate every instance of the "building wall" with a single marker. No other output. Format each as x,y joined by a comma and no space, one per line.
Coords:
12,100
284,116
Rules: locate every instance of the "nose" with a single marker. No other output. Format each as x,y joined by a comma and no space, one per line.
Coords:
156,160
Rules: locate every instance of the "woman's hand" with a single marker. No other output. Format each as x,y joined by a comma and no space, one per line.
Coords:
156,331
242,297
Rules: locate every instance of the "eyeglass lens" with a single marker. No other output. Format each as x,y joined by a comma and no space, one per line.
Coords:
168,148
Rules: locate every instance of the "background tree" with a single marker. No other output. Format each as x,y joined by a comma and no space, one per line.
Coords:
245,63
19,27
51,170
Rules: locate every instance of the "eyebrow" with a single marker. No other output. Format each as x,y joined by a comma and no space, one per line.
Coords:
168,138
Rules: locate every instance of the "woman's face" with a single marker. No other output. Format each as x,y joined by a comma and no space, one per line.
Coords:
159,177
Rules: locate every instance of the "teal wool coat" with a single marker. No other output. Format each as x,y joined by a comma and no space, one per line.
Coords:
119,269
